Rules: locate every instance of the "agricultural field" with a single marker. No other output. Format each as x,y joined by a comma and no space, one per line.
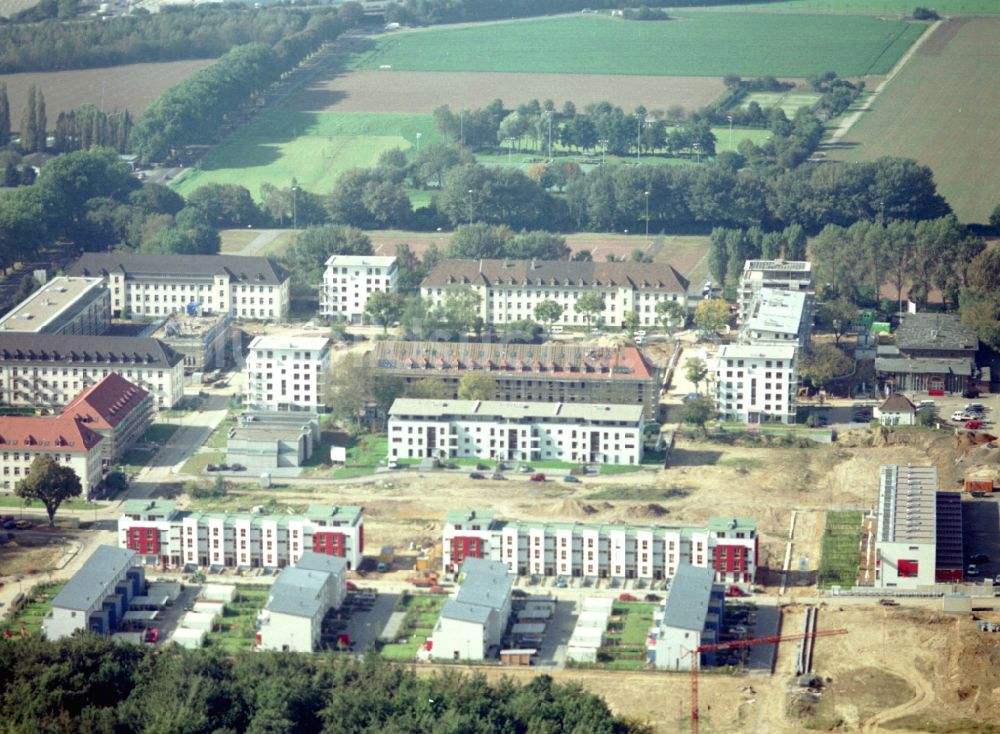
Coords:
131,87
423,91
840,552
949,97
789,101
902,7
693,44
313,148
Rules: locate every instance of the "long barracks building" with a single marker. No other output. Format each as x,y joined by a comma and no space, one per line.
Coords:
593,550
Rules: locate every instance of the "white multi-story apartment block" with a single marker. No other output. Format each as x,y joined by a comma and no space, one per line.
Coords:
593,550
147,286
690,616
44,370
348,281
509,290
162,535
63,306
286,373
786,275
23,438
778,317
299,599
756,383
490,429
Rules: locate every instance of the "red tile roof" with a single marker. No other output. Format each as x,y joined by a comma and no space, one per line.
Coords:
61,433
107,403
897,402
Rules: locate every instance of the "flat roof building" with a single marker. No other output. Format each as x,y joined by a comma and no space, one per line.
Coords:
262,441
287,374
202,340
63,305
756,383
778,317
934,352
787,275
349,280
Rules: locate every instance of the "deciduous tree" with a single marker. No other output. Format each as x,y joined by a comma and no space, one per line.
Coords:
695,370
548,312
822,363
711,315
477,386
384,308
50,483
589,305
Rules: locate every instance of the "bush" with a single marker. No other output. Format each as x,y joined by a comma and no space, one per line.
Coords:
925,14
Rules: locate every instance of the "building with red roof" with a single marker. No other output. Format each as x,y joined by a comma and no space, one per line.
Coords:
24,438
116,409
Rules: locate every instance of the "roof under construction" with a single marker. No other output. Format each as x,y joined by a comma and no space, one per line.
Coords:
907,504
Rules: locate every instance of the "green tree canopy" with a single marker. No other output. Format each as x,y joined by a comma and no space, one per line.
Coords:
711,315
822,363
477,386
429,388
50,483
384,308
589,305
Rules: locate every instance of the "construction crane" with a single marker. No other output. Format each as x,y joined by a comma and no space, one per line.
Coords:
734,644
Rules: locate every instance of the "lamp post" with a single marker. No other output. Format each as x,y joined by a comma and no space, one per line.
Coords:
470,205
730,118
638,138
419,135
550,136
697,150
510,148
646,193
295,207
604,148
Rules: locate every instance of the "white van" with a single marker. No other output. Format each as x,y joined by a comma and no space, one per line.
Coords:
556,329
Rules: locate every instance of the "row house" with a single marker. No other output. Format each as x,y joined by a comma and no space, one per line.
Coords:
167,537
509,290
729,546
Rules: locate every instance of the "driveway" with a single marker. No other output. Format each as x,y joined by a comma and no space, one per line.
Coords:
557,633
364,627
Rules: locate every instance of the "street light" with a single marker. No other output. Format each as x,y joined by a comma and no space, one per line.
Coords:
638,138
510,148
604,148
419,135
295,207
470,192
730,118
647,212
697,150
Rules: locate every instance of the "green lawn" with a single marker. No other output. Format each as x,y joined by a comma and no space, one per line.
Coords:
314,148
33,612
364,456
840,553
422,611
135,459
694,44
197,463
159,433
789,101
70,505
625,648
238,625
903,7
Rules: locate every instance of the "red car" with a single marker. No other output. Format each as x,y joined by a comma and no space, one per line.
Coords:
538,477
152,634
626,597
351,586
973,424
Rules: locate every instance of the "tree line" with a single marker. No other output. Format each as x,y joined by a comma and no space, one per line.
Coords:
176,32
90,684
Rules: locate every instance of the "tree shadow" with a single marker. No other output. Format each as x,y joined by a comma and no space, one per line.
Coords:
687,457
258,143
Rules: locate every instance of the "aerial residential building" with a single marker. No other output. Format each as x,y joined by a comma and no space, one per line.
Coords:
201,340
594,550
934,352
491,429
756,383
63,306
299,599
116,409
164,536
553,373
918,539
689,617
473,623
778,317
287,373
896,410
69,442
147,286
509,290
96,598
786,275
48,371
348,281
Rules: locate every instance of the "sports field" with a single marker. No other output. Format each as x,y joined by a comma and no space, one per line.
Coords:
693,44
313,148
790,101
943,109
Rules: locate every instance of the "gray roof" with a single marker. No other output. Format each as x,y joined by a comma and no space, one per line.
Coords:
485,583
907,504
83,350
935,331
90,583
313,561
688,600
961,366
553,412
464,612
777,310
244,269
297,592
563,273
40,311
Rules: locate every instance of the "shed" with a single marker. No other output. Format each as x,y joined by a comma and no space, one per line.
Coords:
518,656
148,602
598,620
896,410
528,629
128,638
218,592
198,621
215,608
133,619
598,604
587,637
188,638
581,654
169,589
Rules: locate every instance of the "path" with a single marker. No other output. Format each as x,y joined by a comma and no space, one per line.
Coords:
264,238
848,122
922,697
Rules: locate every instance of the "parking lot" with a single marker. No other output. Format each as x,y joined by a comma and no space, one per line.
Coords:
981,535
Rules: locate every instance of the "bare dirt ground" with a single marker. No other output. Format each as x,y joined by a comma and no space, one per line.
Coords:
131,87
422,92
9,7
30,554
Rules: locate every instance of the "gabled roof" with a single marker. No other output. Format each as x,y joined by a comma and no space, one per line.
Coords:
61,433
898,403
83,350
464,612
485,583
313,561
90,583
106,404
557,273
241,268
688,600
920,332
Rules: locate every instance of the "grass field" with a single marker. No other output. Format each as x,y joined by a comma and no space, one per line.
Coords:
789,101
33,612
626,639
68,505
840,553
312,147
694,44
949,98
421,615
903,7
238,625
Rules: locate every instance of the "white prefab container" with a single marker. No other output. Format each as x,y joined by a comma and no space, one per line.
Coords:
218,592
598,604
598,620
536,610
198,621
582,654
188,638
587,637
213,608
128,638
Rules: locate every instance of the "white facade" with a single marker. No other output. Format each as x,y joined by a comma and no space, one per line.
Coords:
166,536
144,287
460,632
896,410
292,619
66,440
689,617
286,374
788,275
487,429
591,550
475,620
778,317
348,281
510,290
756,383
63,305
906,536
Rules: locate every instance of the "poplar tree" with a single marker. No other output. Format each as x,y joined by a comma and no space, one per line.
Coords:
4,116
29,122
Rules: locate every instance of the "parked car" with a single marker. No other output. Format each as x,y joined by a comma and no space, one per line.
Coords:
735,591
24,524
689,396
970,392
972,425
888,602
972,570
9,525
477,475
237,467
7,518
539,477
960,415
351,586
525,469
561,583
570,478
223,467
979,558
651,597
624,596
152,635
975,408
497,476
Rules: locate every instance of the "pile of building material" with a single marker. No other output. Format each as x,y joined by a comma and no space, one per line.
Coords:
588,635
